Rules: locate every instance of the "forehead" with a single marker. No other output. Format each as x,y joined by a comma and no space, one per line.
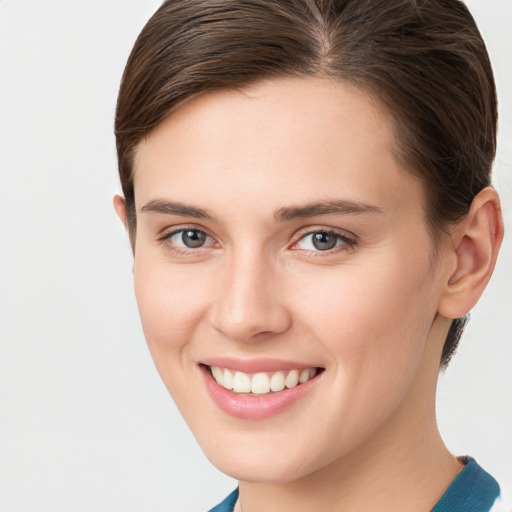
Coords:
291,140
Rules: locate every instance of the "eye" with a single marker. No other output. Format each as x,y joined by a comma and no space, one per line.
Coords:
188,239
323,241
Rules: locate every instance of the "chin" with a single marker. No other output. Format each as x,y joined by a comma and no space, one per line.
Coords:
271,472
263,460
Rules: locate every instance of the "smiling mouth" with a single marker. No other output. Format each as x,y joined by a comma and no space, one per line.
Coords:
261,383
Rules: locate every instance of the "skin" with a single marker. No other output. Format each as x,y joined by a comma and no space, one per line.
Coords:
373,313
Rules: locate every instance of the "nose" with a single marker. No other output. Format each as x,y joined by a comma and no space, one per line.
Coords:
249,301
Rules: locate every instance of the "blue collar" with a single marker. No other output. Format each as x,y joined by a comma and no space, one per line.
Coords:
228,504
473,490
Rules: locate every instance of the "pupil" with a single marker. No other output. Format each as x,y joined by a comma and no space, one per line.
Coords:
324,241
193,238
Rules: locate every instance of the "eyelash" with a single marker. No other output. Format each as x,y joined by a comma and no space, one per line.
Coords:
343,242
166,239
347,243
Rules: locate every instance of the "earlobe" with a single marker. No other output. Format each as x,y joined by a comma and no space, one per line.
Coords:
120,208
476,243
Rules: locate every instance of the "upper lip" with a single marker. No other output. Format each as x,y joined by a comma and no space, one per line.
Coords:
255,365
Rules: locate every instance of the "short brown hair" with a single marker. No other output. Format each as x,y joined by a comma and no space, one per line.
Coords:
424,59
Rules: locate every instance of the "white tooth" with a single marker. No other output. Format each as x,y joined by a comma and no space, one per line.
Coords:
304,376
277,381
227,379
292,379
241,383
218,375
260,384
312,372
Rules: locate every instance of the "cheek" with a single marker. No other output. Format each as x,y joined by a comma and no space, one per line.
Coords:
373,320
171,303
373,327
366,302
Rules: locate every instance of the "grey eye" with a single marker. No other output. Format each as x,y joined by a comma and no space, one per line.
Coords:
324,241
318,241
190,239
193,238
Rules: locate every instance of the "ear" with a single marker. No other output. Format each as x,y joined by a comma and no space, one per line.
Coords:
475,244
120,208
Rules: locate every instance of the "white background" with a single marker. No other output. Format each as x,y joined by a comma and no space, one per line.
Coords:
85,423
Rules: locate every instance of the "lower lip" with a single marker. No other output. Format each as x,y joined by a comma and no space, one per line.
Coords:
255,407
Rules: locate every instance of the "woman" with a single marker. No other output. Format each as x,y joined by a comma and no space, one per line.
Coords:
307,193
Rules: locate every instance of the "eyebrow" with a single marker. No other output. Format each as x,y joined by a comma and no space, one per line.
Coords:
175,208
339,206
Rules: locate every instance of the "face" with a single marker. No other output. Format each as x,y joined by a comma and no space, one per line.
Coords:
284,276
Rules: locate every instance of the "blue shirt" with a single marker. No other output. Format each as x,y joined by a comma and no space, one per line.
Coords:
473,490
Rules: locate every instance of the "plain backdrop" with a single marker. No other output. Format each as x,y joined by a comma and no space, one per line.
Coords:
85,423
